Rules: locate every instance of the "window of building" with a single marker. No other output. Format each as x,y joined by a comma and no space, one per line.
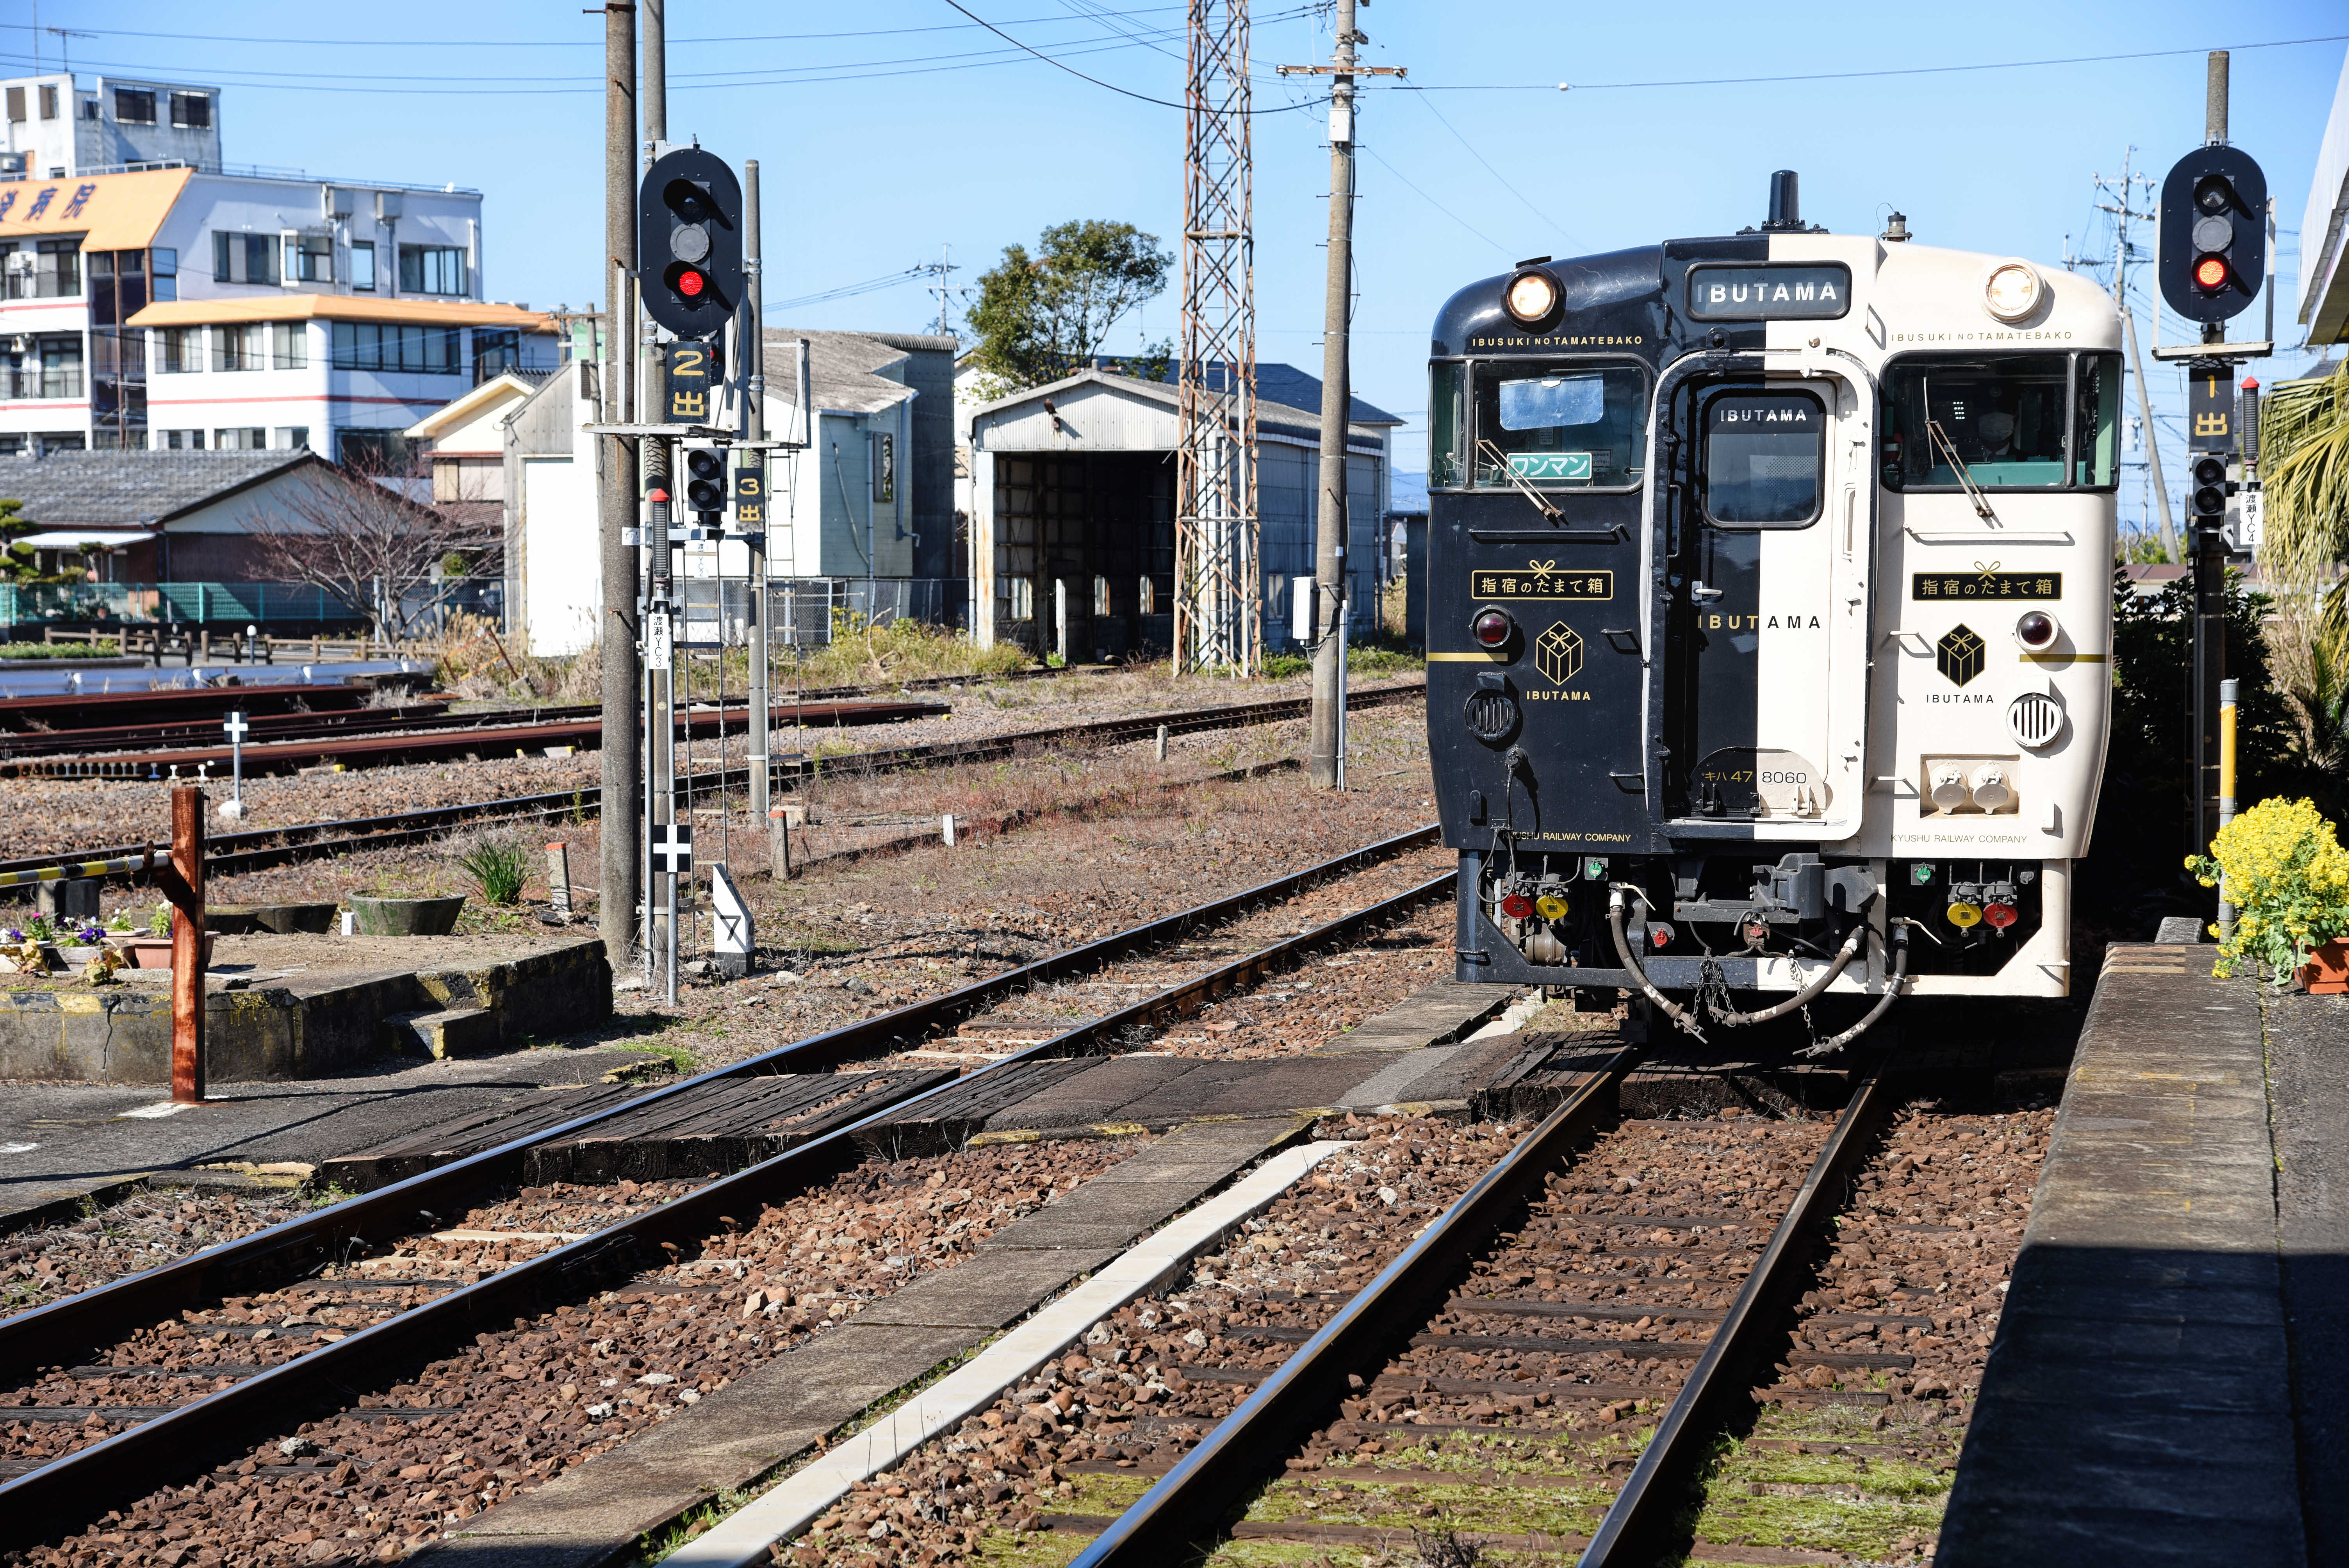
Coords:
54,441
241,348
372,345
48,100
163,273
41,269
289,344
1101,595
495,352
1023,598
363,265
15,106
432,269
134,106
290,437
243,258
1145,598
118,284
192,111
178,440
252,439
311,258
12,443
374,451
179,350
47,366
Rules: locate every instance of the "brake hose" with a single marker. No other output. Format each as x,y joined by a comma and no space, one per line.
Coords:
1623,952
1809,993
1891,989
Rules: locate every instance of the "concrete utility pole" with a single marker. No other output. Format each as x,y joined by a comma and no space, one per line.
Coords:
619,853
1328,758
660,704
753,348
2122,211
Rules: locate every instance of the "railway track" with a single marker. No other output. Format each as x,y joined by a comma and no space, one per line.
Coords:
256,848
363,1335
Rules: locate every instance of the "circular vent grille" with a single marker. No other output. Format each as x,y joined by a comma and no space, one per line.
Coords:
2034,719
1491,714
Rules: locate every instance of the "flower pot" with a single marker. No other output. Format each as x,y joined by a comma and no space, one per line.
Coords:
155,952
75,955
2326,973
406,916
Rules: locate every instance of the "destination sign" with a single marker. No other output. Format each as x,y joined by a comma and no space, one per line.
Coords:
1980,583
1541,579
1814,293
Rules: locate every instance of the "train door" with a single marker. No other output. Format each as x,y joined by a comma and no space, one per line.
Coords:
1761,581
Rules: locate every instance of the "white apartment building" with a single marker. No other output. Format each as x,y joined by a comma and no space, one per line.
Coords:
188,306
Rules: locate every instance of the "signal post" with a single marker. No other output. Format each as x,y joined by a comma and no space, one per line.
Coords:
2213,264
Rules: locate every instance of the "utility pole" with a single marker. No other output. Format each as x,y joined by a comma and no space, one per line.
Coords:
752,347
619,853
2122,211
1328,755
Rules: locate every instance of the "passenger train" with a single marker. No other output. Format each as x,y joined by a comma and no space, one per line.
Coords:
1769,606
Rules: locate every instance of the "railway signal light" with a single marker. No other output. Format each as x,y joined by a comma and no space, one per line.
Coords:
690,242
2213,231
705,479
2211,490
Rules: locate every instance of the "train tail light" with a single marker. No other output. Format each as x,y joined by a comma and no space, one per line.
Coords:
1517,906
1492,628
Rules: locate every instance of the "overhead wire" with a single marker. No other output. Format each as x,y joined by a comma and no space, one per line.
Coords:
1113,87
444,43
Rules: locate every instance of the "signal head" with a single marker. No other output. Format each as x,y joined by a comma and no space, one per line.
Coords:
2213,233
690,242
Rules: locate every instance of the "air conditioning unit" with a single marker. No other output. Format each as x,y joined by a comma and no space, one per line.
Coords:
14,165
387,204
20,263
334,201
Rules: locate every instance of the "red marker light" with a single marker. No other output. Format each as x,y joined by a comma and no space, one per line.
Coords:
690,284
1492,628
2001,915
2210,271
1517,906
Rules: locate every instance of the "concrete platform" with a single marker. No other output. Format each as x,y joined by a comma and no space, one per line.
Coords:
305,1006
2137,1407
63,1143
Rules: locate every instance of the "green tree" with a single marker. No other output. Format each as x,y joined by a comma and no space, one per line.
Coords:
16,561
2304,475
1040,315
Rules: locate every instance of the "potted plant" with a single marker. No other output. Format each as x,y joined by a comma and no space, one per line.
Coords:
150,949
2287,877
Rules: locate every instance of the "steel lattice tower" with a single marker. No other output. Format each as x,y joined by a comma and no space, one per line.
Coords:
1218,605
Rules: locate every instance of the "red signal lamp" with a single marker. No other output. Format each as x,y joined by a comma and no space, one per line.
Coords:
690,282
2000,915
2210,273
1517,906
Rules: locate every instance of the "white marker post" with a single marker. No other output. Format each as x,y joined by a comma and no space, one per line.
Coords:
672,856
233,809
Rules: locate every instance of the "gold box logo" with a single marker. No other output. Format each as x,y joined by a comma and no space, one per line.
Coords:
1959,653
1558,653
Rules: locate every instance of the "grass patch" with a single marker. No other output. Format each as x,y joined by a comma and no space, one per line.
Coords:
1879,1507
680,1060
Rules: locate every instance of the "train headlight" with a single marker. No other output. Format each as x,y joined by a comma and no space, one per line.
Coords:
2012,290
2037,630
1492,628
1531,296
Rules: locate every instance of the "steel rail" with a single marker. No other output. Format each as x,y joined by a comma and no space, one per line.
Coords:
1645,1512
75,1321
76,1489
1212,1478
258,846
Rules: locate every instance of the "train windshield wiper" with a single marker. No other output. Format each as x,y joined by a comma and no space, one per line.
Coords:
1949,452
1500,462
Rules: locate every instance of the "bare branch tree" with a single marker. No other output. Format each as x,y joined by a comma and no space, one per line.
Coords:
362,537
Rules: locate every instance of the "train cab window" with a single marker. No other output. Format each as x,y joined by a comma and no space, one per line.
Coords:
2097,422
1559,427
1447,424
2000,418
1765,458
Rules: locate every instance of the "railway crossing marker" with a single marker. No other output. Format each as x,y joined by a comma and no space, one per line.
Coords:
233,809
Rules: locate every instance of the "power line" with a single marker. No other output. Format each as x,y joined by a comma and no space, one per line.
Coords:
847,291
1125,92
1429,104
1432,201
1849,76
445,43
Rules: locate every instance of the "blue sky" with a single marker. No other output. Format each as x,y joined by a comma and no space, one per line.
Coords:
892,130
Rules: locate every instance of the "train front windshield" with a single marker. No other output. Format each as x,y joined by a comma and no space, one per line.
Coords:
2012,421
1559,426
